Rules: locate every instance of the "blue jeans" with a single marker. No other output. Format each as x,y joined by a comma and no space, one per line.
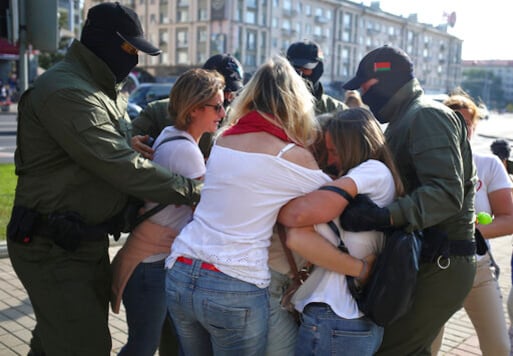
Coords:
283,328
215,314
322,332
144,298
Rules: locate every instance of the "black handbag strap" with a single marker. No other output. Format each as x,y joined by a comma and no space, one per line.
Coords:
170,139
341,245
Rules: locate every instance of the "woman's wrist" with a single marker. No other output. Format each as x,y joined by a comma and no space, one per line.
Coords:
363,271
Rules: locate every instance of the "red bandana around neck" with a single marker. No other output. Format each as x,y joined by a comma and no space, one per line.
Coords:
255,122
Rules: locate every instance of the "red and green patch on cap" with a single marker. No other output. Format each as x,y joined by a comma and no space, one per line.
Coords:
382,67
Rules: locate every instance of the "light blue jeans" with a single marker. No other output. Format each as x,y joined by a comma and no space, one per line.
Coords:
283,328
215,314
322,332
144,298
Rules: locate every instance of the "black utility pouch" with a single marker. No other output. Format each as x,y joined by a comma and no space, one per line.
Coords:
68,229
21,225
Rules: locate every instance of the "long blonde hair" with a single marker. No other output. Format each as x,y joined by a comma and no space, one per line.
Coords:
357,138
279,94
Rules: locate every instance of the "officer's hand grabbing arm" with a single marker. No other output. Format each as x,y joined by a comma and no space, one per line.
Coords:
140,144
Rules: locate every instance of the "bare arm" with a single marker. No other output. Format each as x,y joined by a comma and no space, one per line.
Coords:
501,203
308,243
317,207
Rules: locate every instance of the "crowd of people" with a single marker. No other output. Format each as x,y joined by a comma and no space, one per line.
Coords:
217,166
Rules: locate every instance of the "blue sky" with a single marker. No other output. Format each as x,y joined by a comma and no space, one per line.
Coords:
484,26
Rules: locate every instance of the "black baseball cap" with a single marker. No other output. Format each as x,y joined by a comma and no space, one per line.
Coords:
381,61
304,54
229,67
123,21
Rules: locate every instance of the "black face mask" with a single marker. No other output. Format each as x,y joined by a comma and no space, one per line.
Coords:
312,81
108,48
380,93
376,98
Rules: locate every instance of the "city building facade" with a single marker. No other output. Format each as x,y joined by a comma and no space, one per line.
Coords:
190,31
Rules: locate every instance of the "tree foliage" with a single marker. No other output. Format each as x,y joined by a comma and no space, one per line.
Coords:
485,87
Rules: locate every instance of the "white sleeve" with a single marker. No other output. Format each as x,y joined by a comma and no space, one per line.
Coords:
497,175
182,157
373,178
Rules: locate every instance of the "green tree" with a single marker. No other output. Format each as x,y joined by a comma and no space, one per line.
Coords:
484,86
48,59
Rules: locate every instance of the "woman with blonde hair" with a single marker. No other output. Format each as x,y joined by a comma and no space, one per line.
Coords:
483,303
218,271
196,107
331,322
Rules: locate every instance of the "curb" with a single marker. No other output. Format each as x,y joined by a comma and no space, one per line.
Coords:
112,243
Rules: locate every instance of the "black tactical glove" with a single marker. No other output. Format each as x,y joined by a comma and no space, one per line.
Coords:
481,246
364,215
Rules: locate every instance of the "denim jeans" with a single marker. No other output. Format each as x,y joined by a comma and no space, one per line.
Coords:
144,298
281,339
322,332
216,314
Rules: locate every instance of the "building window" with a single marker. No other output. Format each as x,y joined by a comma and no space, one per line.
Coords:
202,35
202,10
182,38
182,15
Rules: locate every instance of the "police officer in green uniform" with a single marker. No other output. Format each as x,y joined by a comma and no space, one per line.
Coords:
307,58
151,121
76,171
435,162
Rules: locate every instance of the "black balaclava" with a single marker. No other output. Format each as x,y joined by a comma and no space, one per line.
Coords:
391,67
312,81
107,46
380,93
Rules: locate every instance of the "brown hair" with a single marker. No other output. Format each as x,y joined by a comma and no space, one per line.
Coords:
192,90
459,102
358,137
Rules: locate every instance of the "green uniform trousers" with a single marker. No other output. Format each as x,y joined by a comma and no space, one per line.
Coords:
69,292
438,295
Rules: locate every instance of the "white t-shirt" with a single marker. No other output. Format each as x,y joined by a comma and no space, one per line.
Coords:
240,200
374,179
181,156
492,176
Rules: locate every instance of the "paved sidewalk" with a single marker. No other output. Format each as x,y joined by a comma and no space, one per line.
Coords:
17,318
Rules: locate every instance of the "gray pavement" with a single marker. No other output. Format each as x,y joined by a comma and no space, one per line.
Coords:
17,317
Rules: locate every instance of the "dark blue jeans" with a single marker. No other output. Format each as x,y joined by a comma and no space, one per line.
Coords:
322,332
144,298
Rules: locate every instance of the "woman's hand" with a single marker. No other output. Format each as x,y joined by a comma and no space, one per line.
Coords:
139,144
367,264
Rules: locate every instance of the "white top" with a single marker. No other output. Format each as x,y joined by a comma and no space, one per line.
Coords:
492,176
240,200
181,156
374,179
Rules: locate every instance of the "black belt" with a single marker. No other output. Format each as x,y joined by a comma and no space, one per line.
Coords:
44,228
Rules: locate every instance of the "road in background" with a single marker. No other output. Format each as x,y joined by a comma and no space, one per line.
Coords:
8,135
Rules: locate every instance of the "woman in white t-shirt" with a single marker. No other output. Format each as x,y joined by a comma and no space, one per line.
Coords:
331,322
218,275
483,304
196,105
